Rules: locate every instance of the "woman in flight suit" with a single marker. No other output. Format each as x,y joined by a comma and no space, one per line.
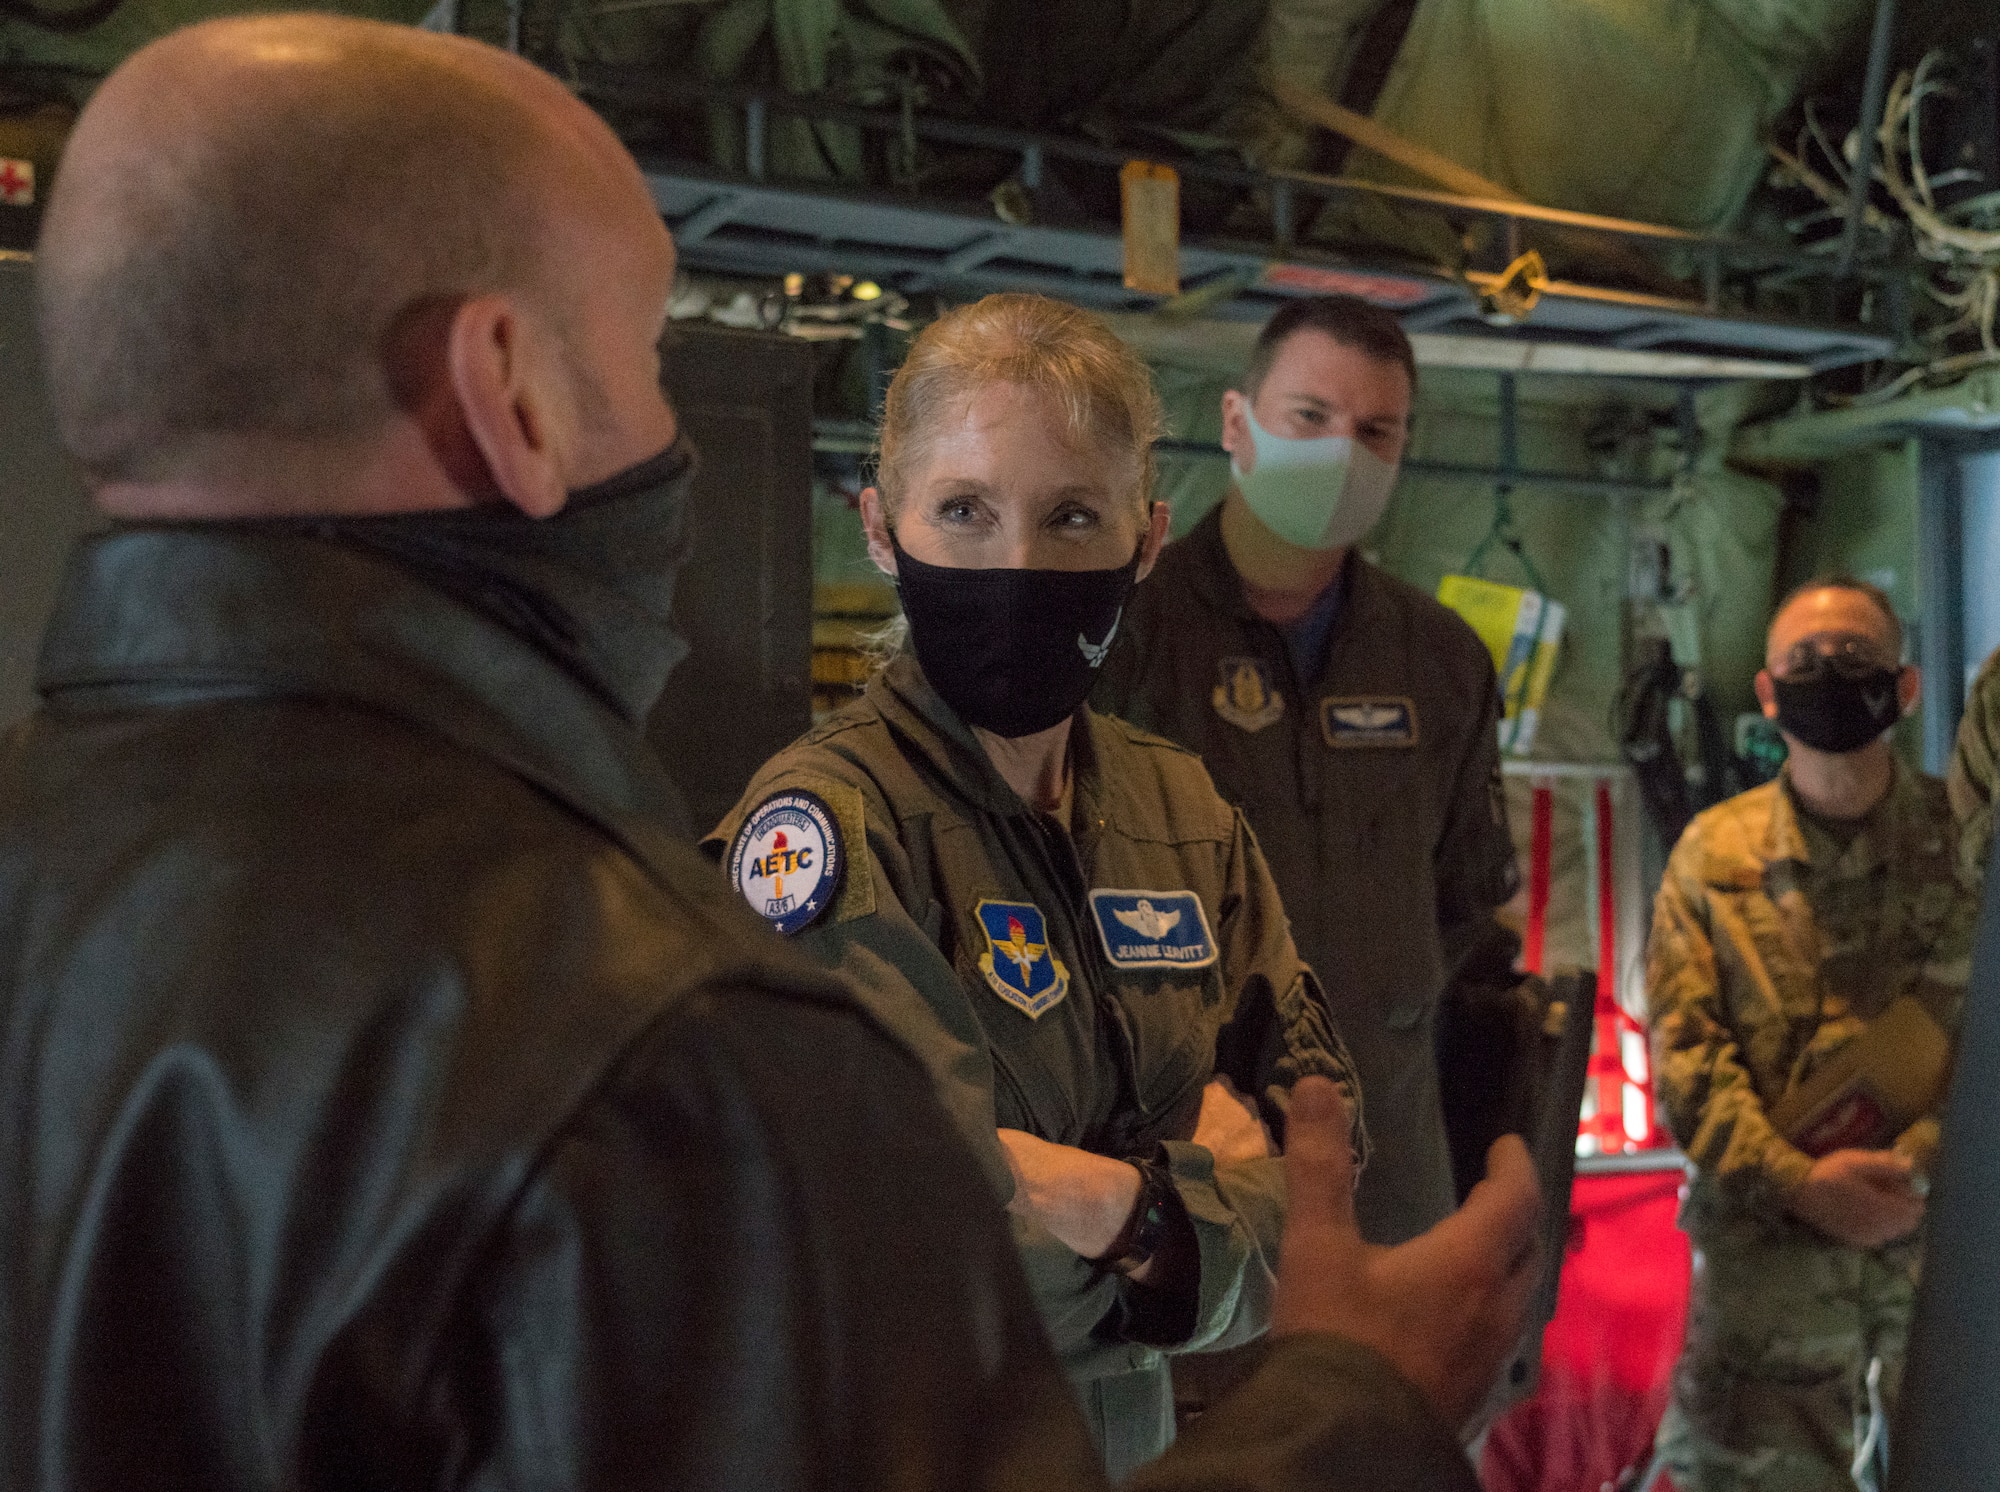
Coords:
1054,909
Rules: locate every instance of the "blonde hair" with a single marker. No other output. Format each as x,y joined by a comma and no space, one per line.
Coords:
1056,349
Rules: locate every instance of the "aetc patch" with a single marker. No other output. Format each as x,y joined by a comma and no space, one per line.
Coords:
1018,962
786,859
1243,694
1153,929
1368,722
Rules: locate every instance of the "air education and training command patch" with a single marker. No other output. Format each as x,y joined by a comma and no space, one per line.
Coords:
1376,721
1243,694
1153,929
1018,962
786,859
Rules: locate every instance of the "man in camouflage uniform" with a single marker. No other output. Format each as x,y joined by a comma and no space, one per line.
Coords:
1970,781
1789,918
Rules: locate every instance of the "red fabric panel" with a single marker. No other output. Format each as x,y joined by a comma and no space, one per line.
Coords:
1609,1354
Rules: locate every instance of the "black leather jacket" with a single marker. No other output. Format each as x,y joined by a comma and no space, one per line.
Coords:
387,1101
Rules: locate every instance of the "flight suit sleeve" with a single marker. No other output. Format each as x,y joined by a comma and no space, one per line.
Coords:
1280,1028
887,950
1974,762
1711,1103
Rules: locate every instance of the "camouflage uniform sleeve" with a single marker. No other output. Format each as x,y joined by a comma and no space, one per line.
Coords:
1711,1103
1947,967
1970,778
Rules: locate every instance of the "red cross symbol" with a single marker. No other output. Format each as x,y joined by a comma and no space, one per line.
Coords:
17,182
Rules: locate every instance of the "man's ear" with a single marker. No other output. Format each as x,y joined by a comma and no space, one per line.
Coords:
1236,428
510,401
875,524
1161,518
416,360
1909,684
1767,693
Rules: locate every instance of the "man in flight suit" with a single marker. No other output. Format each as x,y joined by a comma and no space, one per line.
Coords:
1790,918
387,1098
1351,717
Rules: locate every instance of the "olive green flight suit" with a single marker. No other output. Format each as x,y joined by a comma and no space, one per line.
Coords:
1374,788
1975,762
1772,947
1117,1065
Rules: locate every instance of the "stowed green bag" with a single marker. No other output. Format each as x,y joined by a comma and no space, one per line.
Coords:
1647,109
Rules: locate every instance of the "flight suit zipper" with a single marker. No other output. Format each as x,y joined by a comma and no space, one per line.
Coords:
1065,868
1113,1017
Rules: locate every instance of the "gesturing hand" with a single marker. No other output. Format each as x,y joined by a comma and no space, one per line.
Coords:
1229,1126
1445,1307
1864,1198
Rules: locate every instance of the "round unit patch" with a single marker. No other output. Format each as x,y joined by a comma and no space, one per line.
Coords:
786,859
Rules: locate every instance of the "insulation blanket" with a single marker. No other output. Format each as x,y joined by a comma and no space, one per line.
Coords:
1648,109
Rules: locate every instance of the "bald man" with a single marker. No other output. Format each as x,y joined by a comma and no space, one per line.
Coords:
387,1098
1791,918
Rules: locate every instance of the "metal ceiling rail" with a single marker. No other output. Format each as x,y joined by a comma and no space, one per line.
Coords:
857,438
1466,471
746,223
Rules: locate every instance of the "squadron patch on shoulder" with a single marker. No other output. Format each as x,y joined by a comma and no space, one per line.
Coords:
1153,929
786,859
1243,694
1018,962
1374,720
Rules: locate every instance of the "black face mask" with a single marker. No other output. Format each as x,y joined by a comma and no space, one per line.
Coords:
1837,713
593,585
1012,651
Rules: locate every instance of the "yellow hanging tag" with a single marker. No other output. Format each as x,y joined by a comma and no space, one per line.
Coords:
1152,198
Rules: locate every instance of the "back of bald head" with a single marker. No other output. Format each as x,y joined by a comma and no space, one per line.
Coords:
247,210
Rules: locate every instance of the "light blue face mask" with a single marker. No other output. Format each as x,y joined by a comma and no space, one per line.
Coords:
1322,493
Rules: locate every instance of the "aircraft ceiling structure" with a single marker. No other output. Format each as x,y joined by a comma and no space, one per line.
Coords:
1649,300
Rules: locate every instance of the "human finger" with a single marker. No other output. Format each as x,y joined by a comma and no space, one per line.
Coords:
1319,1165
1230,1125
1879,1166
1507,1202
